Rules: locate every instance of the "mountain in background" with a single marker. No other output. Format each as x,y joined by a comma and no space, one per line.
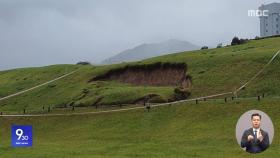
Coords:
145,51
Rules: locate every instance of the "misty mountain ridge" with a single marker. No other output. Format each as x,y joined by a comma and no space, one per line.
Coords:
145,51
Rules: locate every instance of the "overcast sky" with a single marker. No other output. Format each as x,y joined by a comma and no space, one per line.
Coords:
44,32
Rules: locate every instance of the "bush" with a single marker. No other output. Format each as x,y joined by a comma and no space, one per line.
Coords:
83,63
204,47
237,41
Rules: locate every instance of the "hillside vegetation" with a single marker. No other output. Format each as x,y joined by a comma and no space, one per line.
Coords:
206,130
212,71
203,130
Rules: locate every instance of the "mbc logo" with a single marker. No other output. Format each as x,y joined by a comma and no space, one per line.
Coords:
21,136
258,13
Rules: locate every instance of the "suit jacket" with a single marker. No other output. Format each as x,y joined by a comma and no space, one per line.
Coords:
255,145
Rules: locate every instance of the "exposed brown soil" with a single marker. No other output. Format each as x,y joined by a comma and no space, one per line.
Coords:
158,74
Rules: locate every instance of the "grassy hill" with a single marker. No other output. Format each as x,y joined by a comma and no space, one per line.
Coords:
206,129
213,71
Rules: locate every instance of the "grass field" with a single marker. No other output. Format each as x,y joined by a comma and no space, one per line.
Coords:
213,71
184,130
206,129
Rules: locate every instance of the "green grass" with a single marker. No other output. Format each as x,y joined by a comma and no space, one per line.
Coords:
185,130
225,69
12,81
213,71
71,89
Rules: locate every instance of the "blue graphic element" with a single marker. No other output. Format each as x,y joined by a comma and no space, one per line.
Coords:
21,136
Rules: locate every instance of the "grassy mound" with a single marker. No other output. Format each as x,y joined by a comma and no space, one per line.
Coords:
213,71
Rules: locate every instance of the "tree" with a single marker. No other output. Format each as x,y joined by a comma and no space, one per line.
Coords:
235,41
204,47
83,63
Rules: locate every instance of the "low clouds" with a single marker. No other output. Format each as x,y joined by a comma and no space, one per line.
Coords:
44,32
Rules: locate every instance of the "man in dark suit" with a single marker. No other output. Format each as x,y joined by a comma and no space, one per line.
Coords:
255,140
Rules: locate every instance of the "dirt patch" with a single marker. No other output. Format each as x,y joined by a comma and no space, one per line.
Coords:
157,74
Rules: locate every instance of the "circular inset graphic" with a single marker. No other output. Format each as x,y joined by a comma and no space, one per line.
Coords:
254,131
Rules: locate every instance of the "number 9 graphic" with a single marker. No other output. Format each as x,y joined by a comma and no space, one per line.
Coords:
19,133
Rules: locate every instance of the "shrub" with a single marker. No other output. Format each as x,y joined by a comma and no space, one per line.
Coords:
204,47
237,41
83,63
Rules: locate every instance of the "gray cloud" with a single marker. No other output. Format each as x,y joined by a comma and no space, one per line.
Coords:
43,32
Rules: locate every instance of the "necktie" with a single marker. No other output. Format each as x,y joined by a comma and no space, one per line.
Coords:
255,135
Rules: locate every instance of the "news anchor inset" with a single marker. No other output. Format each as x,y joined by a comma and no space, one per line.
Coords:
254,131
255,139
